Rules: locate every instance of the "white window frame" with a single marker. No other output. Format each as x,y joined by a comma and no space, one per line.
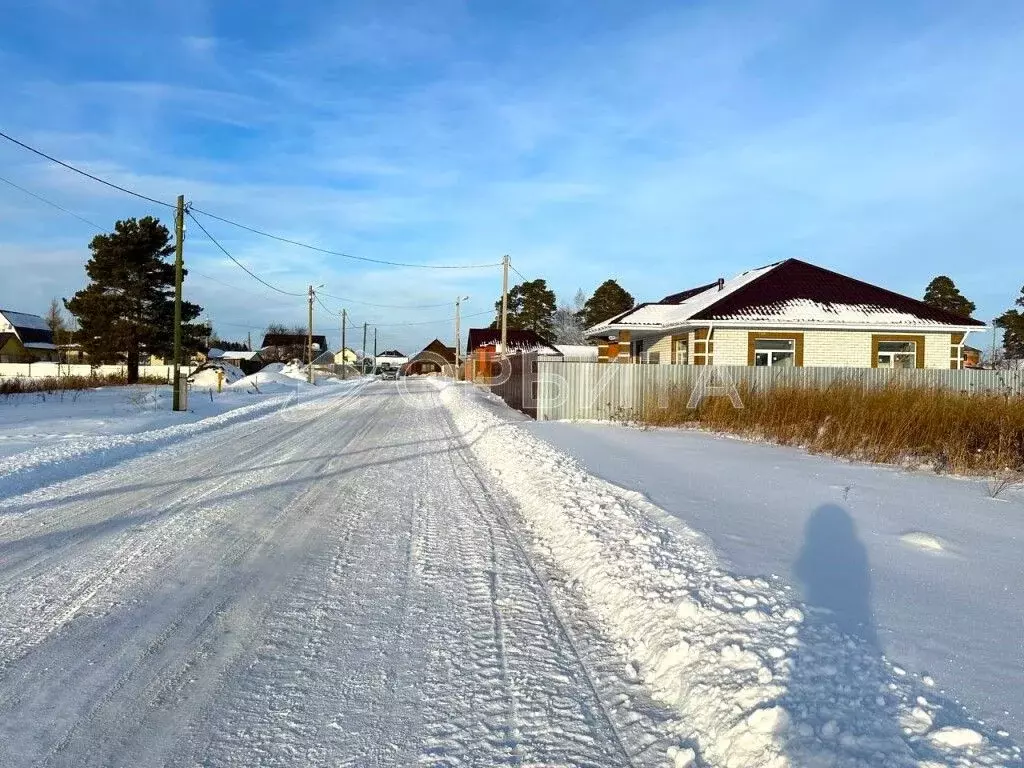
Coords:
681,344
771,353
891,355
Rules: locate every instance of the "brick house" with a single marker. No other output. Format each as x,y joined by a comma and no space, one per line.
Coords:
790,313
483,348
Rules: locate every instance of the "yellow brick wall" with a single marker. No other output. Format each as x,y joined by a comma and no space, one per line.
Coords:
937,350
846,349
662,346
730,347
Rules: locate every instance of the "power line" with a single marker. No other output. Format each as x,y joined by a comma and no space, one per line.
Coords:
50,203
391,306
233,223
329,252
428,322
88,175
518,273
248,271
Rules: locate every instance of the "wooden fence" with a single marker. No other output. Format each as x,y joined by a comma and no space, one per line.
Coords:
554,389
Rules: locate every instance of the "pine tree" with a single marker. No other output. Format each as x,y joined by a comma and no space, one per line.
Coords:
531,306
609,299
943,294
127,309
1012,323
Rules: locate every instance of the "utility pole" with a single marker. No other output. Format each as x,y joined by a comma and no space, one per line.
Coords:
504,306
458,333
179,268
344,372
249,340
309,338
364,347
992,359
374,349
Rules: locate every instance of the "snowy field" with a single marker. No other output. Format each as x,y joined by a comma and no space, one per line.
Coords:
927,568
392,574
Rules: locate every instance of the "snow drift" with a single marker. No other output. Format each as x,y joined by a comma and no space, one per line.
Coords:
756,678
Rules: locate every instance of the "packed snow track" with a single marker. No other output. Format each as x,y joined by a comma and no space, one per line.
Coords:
336,584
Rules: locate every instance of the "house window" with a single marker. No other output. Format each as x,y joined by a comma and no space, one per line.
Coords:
775,352
897,354
680,350
703,347
637,351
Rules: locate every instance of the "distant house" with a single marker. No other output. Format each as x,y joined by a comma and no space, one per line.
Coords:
519,340
436,357
790,313
234,356
291,346
391,358
347,355
483,348
25,338
970,357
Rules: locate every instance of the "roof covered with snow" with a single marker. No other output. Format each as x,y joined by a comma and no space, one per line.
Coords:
519,340
787,292
31,330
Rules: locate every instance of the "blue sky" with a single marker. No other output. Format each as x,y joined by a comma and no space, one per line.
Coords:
663,144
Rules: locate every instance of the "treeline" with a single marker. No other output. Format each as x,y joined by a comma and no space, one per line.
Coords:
533,306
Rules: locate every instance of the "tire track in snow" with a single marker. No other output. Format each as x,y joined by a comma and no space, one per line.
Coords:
49,583
371,606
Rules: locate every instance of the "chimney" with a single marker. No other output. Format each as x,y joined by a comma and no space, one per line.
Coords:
721,283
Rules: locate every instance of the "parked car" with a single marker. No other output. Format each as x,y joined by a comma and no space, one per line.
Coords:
387,372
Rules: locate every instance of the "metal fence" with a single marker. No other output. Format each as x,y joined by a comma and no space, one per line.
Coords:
55,370
553,389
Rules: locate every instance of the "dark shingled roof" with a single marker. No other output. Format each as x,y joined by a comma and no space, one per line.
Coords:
794,280
518,339
435,350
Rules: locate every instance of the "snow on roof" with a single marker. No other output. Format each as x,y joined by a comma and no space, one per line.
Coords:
787,292
670,312
577,351
24,320
808,311
38,345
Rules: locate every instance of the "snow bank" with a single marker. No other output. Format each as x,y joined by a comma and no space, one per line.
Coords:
756,678
207,375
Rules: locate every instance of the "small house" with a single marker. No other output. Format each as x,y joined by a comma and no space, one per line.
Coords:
436,357
25,338
790,313
291,346
483,348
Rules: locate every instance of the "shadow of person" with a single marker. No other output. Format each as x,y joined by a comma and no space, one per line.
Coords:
833,569
841,708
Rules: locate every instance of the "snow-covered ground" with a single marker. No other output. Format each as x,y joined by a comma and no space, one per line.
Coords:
926,568
400,573
334,583
45,437
756,676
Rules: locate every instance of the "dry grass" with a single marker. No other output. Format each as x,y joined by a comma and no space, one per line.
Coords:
898,424
51,385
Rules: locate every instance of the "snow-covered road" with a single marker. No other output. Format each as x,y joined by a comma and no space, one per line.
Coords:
337,584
